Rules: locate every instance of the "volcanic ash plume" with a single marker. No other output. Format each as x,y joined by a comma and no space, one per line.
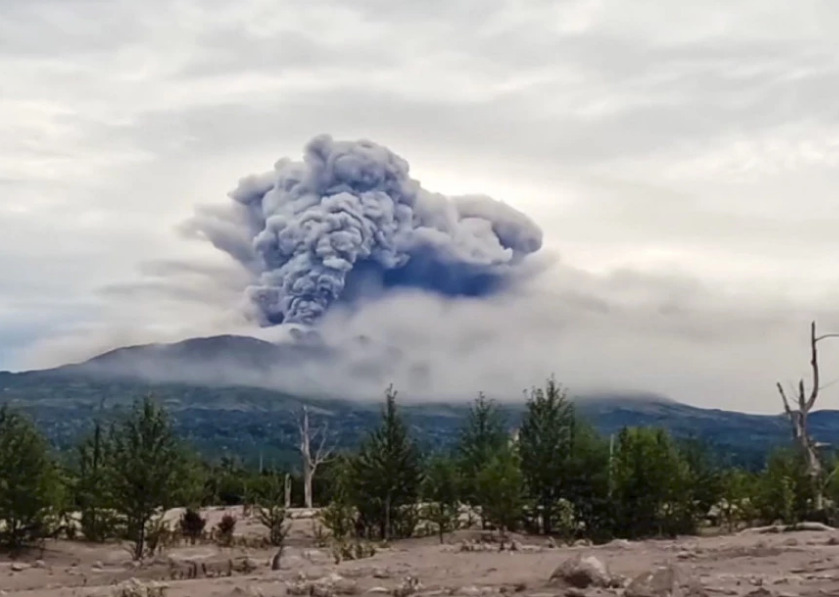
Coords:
347,220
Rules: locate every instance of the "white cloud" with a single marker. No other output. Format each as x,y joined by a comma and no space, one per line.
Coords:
694,149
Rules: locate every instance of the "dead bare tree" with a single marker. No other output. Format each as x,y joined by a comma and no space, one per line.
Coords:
312,458
798,416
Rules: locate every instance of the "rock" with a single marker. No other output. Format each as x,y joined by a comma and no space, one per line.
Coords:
582,572
19,566
664,581
620,543
381,573
582,543
409,586
760,592
471,591
575,592
40,564
550,543
378,590
791,542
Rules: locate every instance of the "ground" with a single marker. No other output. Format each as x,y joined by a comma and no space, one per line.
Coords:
783,564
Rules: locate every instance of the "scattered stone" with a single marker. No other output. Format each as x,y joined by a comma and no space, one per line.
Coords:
39,564
378,590
582,572
761,592
551,543
471,591
582,543
664,581
381,573
575,592
409,586
19,566
620,543
791,542
136,588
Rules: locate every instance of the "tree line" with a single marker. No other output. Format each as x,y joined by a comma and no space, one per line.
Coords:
555,476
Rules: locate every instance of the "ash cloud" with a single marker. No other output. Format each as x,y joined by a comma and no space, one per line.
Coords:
348,222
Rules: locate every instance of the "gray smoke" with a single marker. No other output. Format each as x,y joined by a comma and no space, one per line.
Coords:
317,231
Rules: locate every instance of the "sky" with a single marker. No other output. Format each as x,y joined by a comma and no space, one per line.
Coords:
682,164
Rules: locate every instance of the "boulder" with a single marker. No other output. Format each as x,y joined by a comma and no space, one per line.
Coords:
582,571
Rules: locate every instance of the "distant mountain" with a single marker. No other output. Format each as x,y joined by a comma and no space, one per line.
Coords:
216,360
219,393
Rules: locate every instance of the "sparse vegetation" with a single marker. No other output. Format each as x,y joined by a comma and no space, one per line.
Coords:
192,525
271,512
225,529
557,476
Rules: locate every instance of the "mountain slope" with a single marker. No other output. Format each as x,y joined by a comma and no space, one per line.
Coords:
212,386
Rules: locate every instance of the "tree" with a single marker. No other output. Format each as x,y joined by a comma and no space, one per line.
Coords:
92,487
441,491
387,474
28,482
482,437
340,515
499,490
798,417
737,490
146,465
545,445
651,489
311,460
784,490
271,512
586,483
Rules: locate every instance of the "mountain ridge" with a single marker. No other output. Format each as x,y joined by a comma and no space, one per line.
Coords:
196,380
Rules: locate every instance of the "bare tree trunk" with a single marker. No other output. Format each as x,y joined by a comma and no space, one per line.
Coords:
798,417
287,489
311,460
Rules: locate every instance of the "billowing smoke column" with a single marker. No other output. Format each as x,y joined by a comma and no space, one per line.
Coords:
348,216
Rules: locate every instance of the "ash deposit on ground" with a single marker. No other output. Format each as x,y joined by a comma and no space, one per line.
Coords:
348,222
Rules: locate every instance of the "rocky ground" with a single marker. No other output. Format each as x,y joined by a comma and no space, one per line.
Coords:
750,563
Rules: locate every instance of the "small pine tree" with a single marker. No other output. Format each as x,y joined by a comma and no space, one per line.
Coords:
652,489
482,437
271,512
441,490
339,517
546,440
145,469
387,473
92,488
500,487
28,482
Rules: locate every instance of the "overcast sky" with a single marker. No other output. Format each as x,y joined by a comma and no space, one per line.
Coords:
682,162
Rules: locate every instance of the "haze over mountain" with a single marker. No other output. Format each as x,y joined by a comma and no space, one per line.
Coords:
226,395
